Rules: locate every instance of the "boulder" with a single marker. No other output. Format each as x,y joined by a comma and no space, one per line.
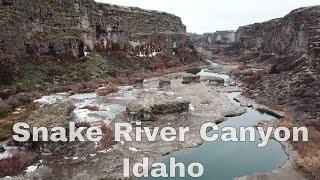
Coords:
164,84
193,70
191,79
216,81
147,109
57,115
208,78
138,83
2,150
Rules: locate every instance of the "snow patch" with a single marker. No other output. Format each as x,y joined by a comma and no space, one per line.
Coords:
191,107
134,149
83,96
31,168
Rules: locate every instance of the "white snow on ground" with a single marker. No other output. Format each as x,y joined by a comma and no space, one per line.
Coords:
141,55
9,150
191,107
52,99
5,155
83,96
134,149
31,168
152,54
106,111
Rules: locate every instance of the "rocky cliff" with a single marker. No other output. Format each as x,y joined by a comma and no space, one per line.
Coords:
216,42
219,37
63,28
297,32
285,61
281,67
43,43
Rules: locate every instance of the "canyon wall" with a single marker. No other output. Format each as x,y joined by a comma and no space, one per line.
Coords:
282,61
219,37
297,32
216,42
70,28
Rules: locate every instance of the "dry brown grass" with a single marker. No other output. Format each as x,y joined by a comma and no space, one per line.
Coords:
7,122
17,163
84,87
309,152
236,71
110,88
4,107
309,159
17,100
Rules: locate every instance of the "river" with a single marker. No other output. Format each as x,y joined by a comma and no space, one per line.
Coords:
227,160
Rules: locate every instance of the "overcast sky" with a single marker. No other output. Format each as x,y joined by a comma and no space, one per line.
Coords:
211,15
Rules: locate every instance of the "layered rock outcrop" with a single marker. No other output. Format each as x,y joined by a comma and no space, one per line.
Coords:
281,66
70,28
219,37
297,32
285,64
216,42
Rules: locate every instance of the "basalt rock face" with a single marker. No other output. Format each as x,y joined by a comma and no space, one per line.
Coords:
215,42
283,63
297,32
70,28
219,37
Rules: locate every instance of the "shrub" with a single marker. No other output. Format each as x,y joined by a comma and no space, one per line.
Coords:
17,163
17,100
12,101
193,70
22,99
254,80
110,88
25,97
82,124
60,89
9,70
4,107
107,139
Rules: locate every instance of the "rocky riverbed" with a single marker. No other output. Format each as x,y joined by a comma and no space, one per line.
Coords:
177,105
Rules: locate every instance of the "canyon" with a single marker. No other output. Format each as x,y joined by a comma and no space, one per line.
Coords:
98,65
279,63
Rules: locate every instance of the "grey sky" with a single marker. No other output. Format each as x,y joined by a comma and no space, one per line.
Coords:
212,15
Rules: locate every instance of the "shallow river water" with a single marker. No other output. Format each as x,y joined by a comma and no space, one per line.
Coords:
227,160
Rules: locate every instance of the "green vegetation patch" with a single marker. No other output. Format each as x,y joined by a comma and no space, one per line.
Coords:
54,74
